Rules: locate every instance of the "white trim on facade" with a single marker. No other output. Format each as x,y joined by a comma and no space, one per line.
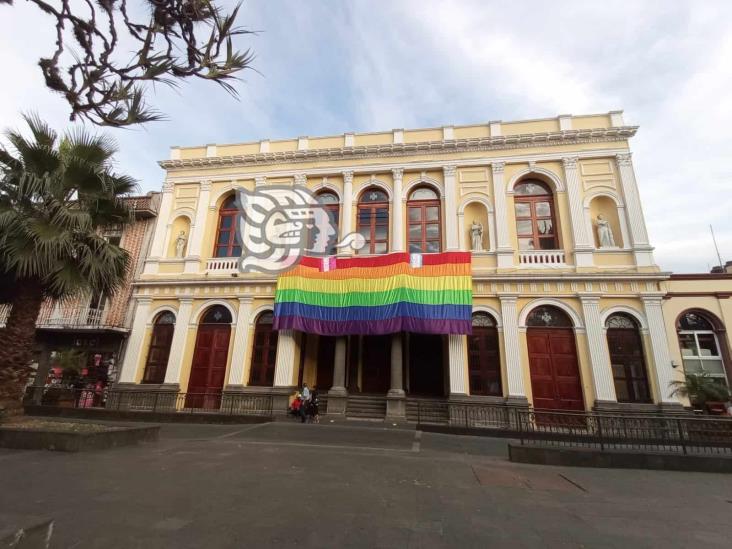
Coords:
210,303
533,304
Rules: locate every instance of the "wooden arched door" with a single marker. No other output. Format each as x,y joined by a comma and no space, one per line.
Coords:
264,352
555,377
159,350
484,361
208,369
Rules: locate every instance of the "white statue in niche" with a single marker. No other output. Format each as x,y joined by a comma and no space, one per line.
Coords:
180,245
604,232
476,236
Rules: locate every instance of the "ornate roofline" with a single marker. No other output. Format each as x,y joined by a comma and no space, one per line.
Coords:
475,144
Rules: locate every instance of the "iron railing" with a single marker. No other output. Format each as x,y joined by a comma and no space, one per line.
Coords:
152,401
652,432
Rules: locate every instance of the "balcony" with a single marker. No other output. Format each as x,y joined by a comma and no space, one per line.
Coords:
222,265
542,259
71,317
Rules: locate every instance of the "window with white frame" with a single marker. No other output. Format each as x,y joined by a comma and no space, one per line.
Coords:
699,345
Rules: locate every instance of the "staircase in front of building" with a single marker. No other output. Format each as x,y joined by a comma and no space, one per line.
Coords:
368,407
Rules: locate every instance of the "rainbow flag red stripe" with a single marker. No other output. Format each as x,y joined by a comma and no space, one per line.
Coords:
377,295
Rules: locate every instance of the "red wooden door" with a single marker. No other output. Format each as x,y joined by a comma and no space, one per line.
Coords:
376,364
264,355
208,369
484,362
555,379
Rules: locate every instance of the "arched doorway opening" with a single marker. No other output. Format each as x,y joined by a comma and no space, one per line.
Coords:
555,378
703,345
626,359
326,362
264,352
159,350
484,361
208,369
376,363
426,365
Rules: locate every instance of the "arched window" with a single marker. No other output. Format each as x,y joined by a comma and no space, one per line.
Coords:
423,215
546,316
227,244
329,201
373,221
264,352
484,363
700,347
159,351
626,359
218,314
535,222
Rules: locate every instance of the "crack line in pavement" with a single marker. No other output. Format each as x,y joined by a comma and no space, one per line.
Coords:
227,435
416,443
572,482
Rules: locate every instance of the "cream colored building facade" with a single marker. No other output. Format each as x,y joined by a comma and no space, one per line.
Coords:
536,187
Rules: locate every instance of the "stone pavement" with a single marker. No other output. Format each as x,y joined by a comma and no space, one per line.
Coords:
293,485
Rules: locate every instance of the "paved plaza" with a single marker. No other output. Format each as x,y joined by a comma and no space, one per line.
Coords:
292,485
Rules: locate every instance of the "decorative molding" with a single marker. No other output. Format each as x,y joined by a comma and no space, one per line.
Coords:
559,185
573,315
260,180
498,167
209,303
301,179
494,142
637,315
570,162
624,159
449,170
168,187
422,179
491,311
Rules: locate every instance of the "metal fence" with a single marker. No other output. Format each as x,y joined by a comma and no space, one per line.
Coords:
652,432
152,401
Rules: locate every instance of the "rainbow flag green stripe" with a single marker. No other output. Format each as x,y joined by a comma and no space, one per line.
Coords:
377,295
375,299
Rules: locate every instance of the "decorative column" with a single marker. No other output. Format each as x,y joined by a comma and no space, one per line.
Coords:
395,399
285,361
583,247
397,218
638,233
347,213
134,343
451,230
659,347
241,333
602,373
504,250
157,248
195,241
180,337
509,312
338,396
457,360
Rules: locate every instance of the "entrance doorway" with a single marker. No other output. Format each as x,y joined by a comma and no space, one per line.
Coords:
426,369
326,360
208,369
555,378
376,364
484,362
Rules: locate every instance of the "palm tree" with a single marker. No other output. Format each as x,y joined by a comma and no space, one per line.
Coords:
55,195
700,389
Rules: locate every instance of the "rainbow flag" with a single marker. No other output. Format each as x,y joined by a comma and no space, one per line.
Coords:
384,294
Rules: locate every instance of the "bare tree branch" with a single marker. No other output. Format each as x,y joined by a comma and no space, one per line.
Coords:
179,39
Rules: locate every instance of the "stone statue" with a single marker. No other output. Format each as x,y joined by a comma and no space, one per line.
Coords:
180,245
476,236
604,232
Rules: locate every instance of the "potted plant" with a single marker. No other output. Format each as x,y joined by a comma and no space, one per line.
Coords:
702,390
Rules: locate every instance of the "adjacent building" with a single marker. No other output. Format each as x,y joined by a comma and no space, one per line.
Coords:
570,310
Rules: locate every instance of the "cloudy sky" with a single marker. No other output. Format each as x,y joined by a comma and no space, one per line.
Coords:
326,67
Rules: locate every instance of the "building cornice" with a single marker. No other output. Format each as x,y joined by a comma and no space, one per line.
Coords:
476,144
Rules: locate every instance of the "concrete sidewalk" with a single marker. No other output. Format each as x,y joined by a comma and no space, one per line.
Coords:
292,485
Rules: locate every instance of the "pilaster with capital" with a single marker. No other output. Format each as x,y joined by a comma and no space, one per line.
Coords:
198,227
451,228
397,219
503,243
347,213
636,220
180,337
659,348
301,179
241,335
458,364
511,343
134,351
582,238
157,248
602,374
